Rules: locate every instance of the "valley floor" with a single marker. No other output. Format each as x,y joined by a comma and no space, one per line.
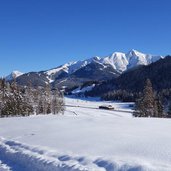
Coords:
85,138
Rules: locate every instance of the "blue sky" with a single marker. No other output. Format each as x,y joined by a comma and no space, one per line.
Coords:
42,34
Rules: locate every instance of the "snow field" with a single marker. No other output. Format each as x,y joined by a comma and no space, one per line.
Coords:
26,158
86,138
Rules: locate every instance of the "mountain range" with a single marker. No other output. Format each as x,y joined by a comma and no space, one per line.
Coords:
130,85
74,74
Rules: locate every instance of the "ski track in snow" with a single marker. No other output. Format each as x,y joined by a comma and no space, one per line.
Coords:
117,128
25,158
16,156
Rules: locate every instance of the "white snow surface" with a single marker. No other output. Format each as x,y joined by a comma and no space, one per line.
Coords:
69,67
83,90
118,60
85,138
13,75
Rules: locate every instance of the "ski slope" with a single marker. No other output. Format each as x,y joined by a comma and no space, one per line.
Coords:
85,138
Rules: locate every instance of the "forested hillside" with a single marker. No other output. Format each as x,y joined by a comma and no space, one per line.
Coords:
134,80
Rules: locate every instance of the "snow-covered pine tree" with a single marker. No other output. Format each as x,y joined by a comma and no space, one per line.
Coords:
47,99
21,101
57,104
3,95
40,101
35,100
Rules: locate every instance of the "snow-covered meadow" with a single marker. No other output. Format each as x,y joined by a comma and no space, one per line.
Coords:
85,138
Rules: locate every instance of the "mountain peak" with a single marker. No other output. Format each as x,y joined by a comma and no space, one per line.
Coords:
94,68
13,75
134,52
97,58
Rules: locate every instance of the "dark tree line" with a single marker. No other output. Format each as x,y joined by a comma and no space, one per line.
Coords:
121,95
158,72
22,101
129,86
148,103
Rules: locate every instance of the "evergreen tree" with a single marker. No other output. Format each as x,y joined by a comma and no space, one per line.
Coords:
148,100
40,101
36,94
146,106
158,108
15,103
169,109
22,101
57,102
47,99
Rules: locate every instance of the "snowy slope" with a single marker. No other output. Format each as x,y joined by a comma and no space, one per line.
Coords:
74,74
13,75
86,139
69,67
118,60
136,58
84,89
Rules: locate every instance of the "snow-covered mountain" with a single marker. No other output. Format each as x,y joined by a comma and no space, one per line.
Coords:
118,60
13,75
92,69
136,58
